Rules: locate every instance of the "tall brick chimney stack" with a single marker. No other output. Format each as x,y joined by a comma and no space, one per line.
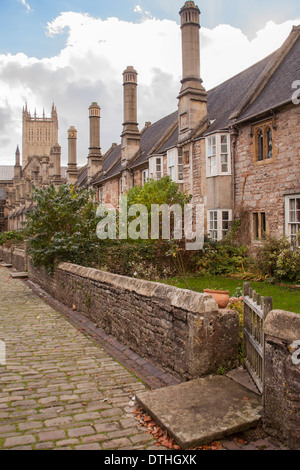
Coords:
72,170
192,107
94,157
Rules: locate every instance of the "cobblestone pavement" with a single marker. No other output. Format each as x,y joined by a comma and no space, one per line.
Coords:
63,386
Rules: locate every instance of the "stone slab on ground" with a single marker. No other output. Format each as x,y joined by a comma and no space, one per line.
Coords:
6,265
204,410
21,275
241,376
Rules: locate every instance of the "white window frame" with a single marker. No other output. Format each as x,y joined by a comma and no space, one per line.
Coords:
175,165
288,222
215,223
145,176
154,163
215,155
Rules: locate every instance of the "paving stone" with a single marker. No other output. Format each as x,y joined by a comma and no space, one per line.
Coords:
82,431
51,435
19,441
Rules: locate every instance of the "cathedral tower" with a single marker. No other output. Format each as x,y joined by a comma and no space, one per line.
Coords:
40,134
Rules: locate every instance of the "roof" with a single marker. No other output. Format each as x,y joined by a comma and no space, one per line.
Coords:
6,172
264,86
278,89
224,99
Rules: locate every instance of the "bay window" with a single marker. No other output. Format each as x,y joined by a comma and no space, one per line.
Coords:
218,155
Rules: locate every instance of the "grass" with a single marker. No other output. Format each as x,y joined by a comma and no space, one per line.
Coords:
284,297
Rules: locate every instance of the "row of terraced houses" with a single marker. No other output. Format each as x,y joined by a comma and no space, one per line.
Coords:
235,148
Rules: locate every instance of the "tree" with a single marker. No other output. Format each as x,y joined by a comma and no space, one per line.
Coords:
153,196
62,221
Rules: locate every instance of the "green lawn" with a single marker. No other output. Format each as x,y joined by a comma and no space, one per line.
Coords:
284,298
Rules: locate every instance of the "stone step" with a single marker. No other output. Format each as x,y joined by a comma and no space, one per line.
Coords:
204,410
6,265
21,275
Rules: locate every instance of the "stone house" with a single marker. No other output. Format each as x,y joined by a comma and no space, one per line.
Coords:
235,148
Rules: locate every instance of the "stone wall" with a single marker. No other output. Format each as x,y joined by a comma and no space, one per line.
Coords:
7,255
282,377
19,260
182,332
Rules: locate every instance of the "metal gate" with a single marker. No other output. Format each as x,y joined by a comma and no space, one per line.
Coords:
256,308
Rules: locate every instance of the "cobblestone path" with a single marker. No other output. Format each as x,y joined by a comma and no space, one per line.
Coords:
58,389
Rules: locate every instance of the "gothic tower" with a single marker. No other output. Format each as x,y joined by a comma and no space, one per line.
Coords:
39,134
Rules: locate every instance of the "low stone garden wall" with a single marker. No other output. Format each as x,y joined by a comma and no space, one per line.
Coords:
16,256
182,332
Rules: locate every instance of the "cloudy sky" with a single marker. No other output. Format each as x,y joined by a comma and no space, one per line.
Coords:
73,52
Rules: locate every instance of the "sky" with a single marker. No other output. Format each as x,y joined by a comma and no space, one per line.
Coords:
73,52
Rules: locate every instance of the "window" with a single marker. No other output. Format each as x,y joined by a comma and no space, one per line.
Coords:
180,166
155,168
1,212
121,186
171,164
259,225
212,155
145,176
219,223
175,164
213,225
263,142
100,194
218,155
225,223
292,216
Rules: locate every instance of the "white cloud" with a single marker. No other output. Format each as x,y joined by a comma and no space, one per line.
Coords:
89,68
28,7
137,9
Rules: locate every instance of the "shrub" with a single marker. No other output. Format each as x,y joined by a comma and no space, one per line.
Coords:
61,224
14,236
219,258
278,259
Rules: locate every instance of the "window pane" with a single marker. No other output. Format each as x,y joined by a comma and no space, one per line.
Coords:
224,163
263,225
260,146
224,144
255,226
270,144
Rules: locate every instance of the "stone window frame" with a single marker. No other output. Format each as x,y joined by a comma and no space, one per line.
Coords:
263,129
259,226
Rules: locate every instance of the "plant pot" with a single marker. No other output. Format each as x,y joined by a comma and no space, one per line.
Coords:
220,296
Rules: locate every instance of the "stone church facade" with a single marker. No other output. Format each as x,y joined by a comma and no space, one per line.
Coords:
235,148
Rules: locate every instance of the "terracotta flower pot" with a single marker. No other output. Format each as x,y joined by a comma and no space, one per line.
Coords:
220,296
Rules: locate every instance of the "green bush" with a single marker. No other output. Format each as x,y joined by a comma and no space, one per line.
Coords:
61,224
219,258
278,259
14,236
